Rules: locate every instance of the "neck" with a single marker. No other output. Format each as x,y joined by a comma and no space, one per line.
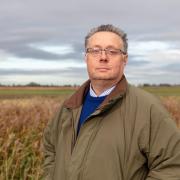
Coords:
100,86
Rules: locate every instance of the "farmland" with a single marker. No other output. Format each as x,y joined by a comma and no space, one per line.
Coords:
14,92
164,91
56,91
24,112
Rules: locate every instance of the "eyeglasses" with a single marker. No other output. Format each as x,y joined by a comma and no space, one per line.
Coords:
110,52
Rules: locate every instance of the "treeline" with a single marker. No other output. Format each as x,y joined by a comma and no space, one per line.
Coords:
34,84
158,85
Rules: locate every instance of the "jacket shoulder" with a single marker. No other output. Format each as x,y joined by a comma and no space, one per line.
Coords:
143,96
147,101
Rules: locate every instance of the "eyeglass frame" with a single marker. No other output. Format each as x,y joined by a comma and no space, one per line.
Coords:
106,50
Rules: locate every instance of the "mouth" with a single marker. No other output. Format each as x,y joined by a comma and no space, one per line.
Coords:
103,69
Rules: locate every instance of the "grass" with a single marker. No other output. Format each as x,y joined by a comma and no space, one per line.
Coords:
172,104
164,91
49,91
22,121
40,91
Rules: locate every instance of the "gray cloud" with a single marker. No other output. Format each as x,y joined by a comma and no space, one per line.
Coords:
71,71
132,61
21,49
66,22
174,68
24,51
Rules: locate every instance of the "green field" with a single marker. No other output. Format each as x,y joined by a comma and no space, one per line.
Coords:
19,92
34,92
164,91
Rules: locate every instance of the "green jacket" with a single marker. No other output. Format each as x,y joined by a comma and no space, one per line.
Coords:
129,137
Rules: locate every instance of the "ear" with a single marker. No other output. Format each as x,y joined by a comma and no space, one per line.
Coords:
125,59
85,57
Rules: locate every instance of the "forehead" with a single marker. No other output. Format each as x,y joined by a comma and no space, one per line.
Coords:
105,39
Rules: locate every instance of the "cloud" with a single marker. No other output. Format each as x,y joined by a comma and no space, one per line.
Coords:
34,31
172,69
71,71
44,76
64,51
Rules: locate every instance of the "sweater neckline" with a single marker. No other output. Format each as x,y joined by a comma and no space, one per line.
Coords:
94,99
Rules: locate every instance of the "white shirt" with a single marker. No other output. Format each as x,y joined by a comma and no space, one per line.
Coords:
104,93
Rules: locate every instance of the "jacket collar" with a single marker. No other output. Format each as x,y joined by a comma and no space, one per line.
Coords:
76,100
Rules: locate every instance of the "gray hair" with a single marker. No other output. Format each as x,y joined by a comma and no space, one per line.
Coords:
109,28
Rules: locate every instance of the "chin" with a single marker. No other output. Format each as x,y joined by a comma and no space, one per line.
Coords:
102,78
105,77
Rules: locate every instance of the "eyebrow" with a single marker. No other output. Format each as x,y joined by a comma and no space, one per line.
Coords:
109,46
98,46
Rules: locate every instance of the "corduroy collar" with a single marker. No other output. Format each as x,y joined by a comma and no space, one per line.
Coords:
76,100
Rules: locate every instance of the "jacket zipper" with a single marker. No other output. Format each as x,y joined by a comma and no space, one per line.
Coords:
75,137
88,146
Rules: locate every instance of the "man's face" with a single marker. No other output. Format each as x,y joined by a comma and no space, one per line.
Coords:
104,66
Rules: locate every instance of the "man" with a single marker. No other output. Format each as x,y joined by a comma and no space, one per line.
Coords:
108,129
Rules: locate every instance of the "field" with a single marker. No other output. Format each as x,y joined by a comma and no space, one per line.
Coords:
14,92
164,91
24,112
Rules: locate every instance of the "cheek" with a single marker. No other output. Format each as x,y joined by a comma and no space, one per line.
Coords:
90,66
118,66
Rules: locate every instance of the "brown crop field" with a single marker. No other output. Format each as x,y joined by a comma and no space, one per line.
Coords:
22,121
21,126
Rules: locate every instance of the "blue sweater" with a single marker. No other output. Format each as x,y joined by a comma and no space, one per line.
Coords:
89,106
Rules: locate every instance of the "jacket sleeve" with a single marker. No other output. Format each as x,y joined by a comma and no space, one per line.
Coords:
164,147
49,146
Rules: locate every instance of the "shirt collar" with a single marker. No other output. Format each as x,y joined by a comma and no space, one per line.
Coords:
104,93
76,100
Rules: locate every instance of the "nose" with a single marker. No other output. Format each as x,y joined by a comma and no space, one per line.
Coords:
103,55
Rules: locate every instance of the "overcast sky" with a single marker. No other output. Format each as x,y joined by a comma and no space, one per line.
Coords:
43,41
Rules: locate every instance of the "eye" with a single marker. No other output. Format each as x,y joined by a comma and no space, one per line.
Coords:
112,51
95,51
